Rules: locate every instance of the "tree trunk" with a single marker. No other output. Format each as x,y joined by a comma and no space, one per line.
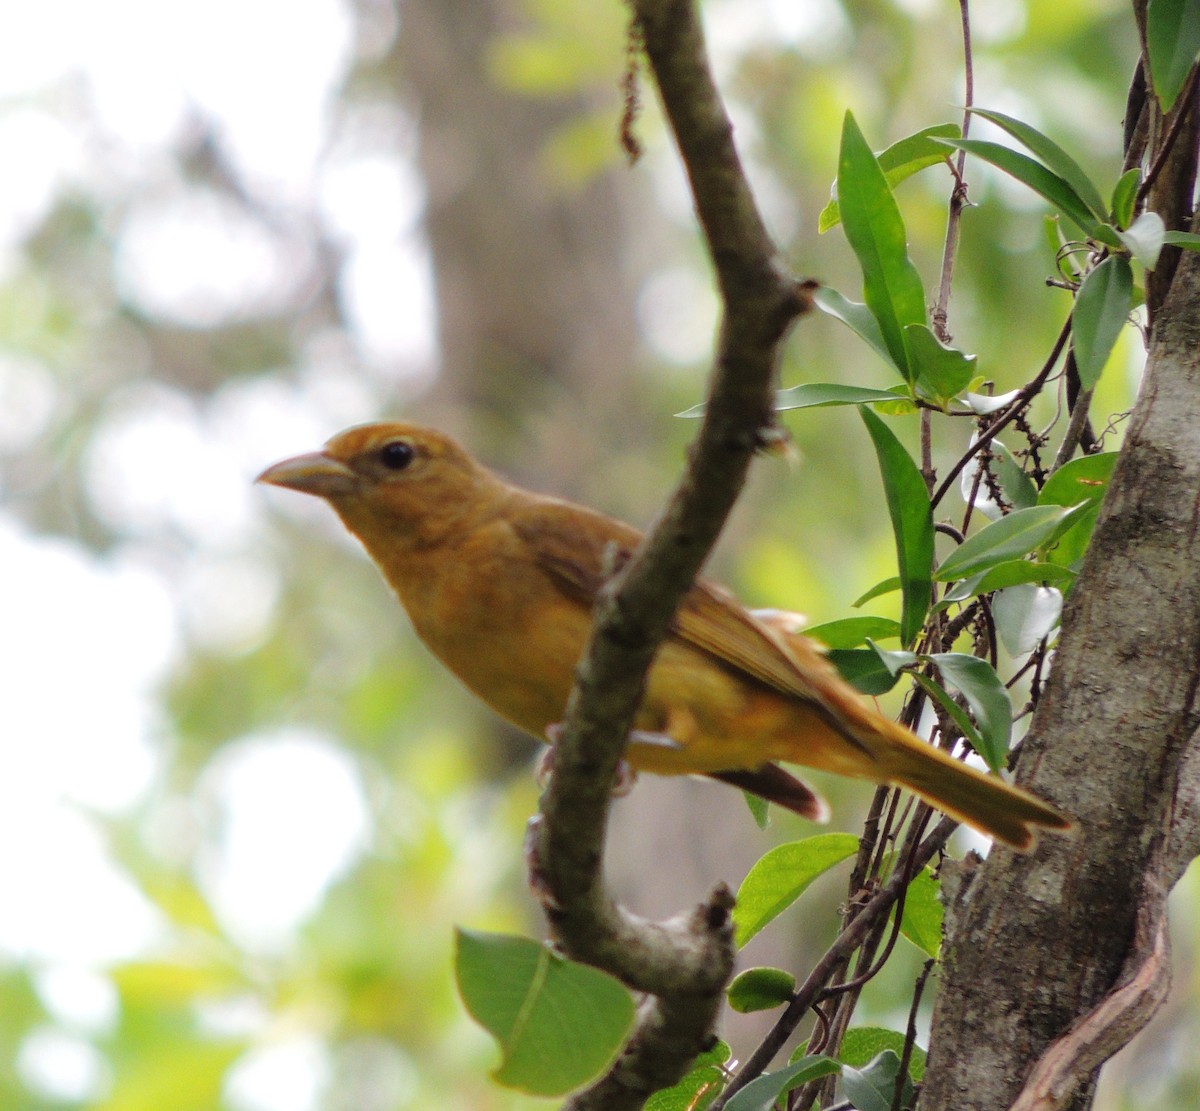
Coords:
1035,942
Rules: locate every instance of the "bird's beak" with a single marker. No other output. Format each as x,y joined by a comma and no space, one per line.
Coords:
314,473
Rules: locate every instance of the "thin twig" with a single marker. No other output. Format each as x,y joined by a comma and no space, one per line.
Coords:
958,195
845,943
1023,398
910,1033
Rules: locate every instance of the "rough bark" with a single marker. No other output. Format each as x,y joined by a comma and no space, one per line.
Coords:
1036,942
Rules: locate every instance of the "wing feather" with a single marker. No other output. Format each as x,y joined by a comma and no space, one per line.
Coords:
574,551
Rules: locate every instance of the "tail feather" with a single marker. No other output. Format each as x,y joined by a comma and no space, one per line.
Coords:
984,802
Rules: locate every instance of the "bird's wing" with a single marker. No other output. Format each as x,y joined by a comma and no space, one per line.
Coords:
579,551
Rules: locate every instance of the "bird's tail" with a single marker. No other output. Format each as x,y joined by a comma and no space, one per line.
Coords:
984,802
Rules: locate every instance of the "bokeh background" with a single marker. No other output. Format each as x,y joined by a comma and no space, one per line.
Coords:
240,809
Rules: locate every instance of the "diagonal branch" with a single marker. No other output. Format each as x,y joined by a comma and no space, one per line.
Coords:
684,963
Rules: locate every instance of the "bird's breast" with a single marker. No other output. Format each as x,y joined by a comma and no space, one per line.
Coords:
501,627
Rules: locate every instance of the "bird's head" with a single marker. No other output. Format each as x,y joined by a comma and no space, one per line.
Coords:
395,477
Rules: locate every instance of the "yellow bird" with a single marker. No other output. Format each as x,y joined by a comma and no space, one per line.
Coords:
499,583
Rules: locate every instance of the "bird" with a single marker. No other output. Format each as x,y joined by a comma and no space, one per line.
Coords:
499,583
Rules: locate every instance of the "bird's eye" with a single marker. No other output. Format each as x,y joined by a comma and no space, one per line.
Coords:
397,455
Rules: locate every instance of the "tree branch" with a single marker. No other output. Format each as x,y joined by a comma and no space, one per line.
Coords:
684,963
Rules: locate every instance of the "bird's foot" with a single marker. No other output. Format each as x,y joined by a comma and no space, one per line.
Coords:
544,768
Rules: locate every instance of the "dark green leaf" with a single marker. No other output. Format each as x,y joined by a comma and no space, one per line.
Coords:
810,395
1024,615
872,1088
699,1088
895,662
886,586
760,989
858,318
1102,308
850,632
1185,239
1009,538
761,1094
958,715
862,1044
1145,239
1013,573
558,1023
891,285
1081,482
780,877
912,523
1124,198
1053,157
1042,181
863,669
1173,43
900,161
922,921
989,701
940,373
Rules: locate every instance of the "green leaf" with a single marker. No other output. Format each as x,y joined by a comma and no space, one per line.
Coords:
1042,181
1016,486
912,524
1173,43
781,876
1145,239
863,669
1124,198
1102,307
940,373
850,632
1009,538
1024,615
895,662
1186,239
1012,573
810,395
891,285
900,161
1081,483
872,1088
1053,157
922,920
558,1023
1082,480
957,714
989,702
700,1087
862,1044
761,1094
760,809
884,586
858,318
760,989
